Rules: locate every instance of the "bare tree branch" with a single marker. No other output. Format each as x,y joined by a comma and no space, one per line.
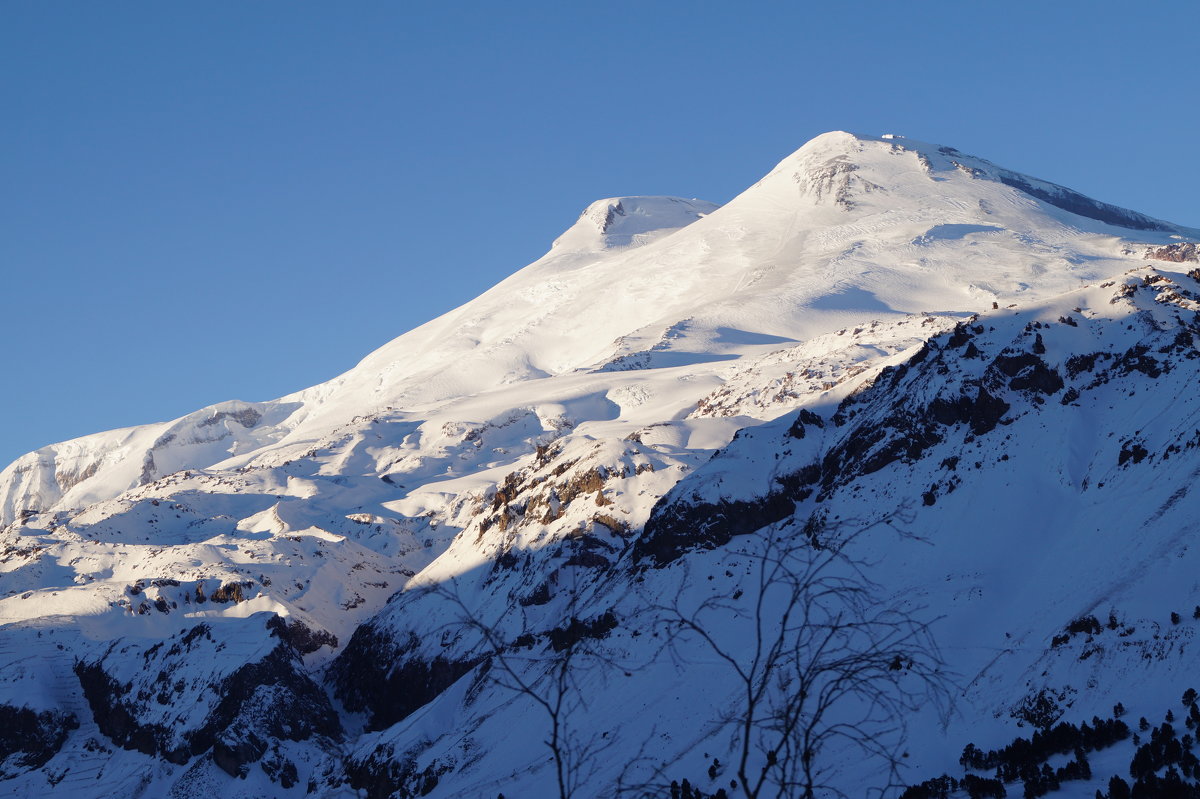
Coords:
547,678
828,660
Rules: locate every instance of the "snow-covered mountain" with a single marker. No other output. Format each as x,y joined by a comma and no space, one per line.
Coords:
368,587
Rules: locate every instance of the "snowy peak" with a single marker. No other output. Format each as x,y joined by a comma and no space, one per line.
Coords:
846,230
630,221
989,376
841,170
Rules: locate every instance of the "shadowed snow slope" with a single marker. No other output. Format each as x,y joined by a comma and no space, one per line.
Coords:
878,329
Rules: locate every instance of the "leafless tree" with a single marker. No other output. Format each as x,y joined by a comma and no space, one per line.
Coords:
820,657
544,666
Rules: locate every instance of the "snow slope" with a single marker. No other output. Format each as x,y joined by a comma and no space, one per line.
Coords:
817,244
877,329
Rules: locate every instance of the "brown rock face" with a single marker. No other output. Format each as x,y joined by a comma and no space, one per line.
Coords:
1176,253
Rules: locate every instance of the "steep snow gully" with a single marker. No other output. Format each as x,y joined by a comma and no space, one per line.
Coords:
894,418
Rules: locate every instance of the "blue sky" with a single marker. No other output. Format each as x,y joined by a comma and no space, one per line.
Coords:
224,200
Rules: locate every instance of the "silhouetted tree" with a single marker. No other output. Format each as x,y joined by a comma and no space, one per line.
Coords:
827,658
546,674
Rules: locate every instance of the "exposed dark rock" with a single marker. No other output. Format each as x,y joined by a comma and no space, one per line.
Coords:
384,775
507,560
1028,372
247,417
539,596
904,432
68,480
804,418
677,527
1078,364
808,417
830,179
234,753
390,680
981,412
231,592
614,211
271,698
280,770
960,336
300,636
1132,451
1088,625
576,630
588,560
617,526
1076,203
1184,343
1135,359
117,719
902,435
28,738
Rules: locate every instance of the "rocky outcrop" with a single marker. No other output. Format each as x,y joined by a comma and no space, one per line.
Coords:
242,712
383,774
300,636
1076,203
676,527
29,738
1182,252
962,385
390,680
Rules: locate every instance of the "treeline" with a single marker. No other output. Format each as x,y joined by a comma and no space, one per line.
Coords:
1024,760
1164,750
1163,765
945,786
1025,754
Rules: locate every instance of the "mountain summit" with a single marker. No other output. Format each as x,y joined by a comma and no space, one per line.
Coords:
973,383
847,227
630,221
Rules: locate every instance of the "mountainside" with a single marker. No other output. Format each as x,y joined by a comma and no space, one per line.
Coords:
520,550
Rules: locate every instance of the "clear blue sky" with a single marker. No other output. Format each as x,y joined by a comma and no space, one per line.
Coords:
205,201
